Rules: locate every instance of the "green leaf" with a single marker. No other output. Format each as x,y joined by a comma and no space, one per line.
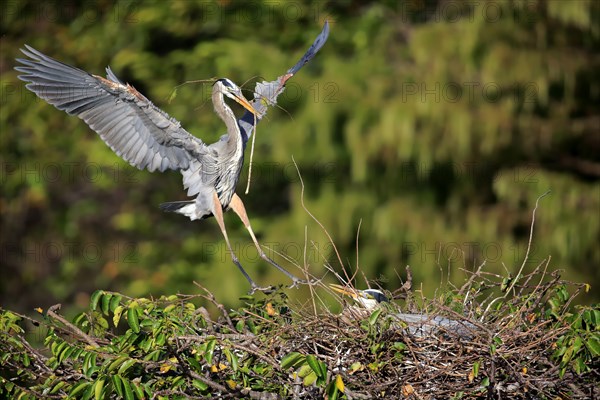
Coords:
577,343
98,389
132,319
172,96
309,379
94,299
178,381
118,385
117,315
169,308
593,346
194,363
232,358
116,363
252,326
89,361
102,322
66,353
210,349
81,320
89,392
92,370
374,316
80,387
58,348
356,366
239,326
154,355
127,389
138,390
399,346
475,369
579,365
126,365
57,387
199,385
105,303
596,319
115,301
567,356
292,360
305,370
313,363
317,366
161,338
333,391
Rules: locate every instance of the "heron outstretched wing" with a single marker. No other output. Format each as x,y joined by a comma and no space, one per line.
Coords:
128,122
266,93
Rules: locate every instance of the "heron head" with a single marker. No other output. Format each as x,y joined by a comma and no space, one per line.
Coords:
368,298
233,91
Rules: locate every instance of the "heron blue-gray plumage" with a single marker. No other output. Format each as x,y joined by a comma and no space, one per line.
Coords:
148,138
417,324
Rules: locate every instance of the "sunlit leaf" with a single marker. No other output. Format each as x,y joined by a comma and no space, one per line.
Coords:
105,303
98,387
133,320
292,360
95,298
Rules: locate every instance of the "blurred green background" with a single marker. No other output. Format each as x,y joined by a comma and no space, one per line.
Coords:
432,125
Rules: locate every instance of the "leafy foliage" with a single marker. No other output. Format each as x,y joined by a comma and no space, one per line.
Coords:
529,342
435,123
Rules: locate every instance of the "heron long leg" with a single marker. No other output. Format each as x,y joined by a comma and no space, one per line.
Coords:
218,213
237,206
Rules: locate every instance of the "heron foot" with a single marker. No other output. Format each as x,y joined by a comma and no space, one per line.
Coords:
297,281
266,289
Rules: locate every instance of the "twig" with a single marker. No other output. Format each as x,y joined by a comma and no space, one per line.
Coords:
528,244
70,326
312,216
210,297
214,385
518,276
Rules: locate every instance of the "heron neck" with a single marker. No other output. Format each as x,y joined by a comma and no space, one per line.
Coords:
228,117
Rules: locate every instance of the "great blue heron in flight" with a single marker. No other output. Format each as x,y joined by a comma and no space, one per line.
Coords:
148,138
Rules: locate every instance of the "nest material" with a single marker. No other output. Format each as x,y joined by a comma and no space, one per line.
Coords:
271,349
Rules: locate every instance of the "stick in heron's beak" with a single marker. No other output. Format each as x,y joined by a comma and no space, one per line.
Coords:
246,104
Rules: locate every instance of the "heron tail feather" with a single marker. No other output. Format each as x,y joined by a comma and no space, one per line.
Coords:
175,206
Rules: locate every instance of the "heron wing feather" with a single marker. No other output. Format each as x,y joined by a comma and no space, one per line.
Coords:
133,127
266,93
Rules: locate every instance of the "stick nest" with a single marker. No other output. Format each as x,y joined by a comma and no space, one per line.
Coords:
525,341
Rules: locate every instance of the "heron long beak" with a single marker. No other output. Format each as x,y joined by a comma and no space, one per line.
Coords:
344,290
241,100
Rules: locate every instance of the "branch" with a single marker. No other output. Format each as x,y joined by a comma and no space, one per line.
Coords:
72,327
